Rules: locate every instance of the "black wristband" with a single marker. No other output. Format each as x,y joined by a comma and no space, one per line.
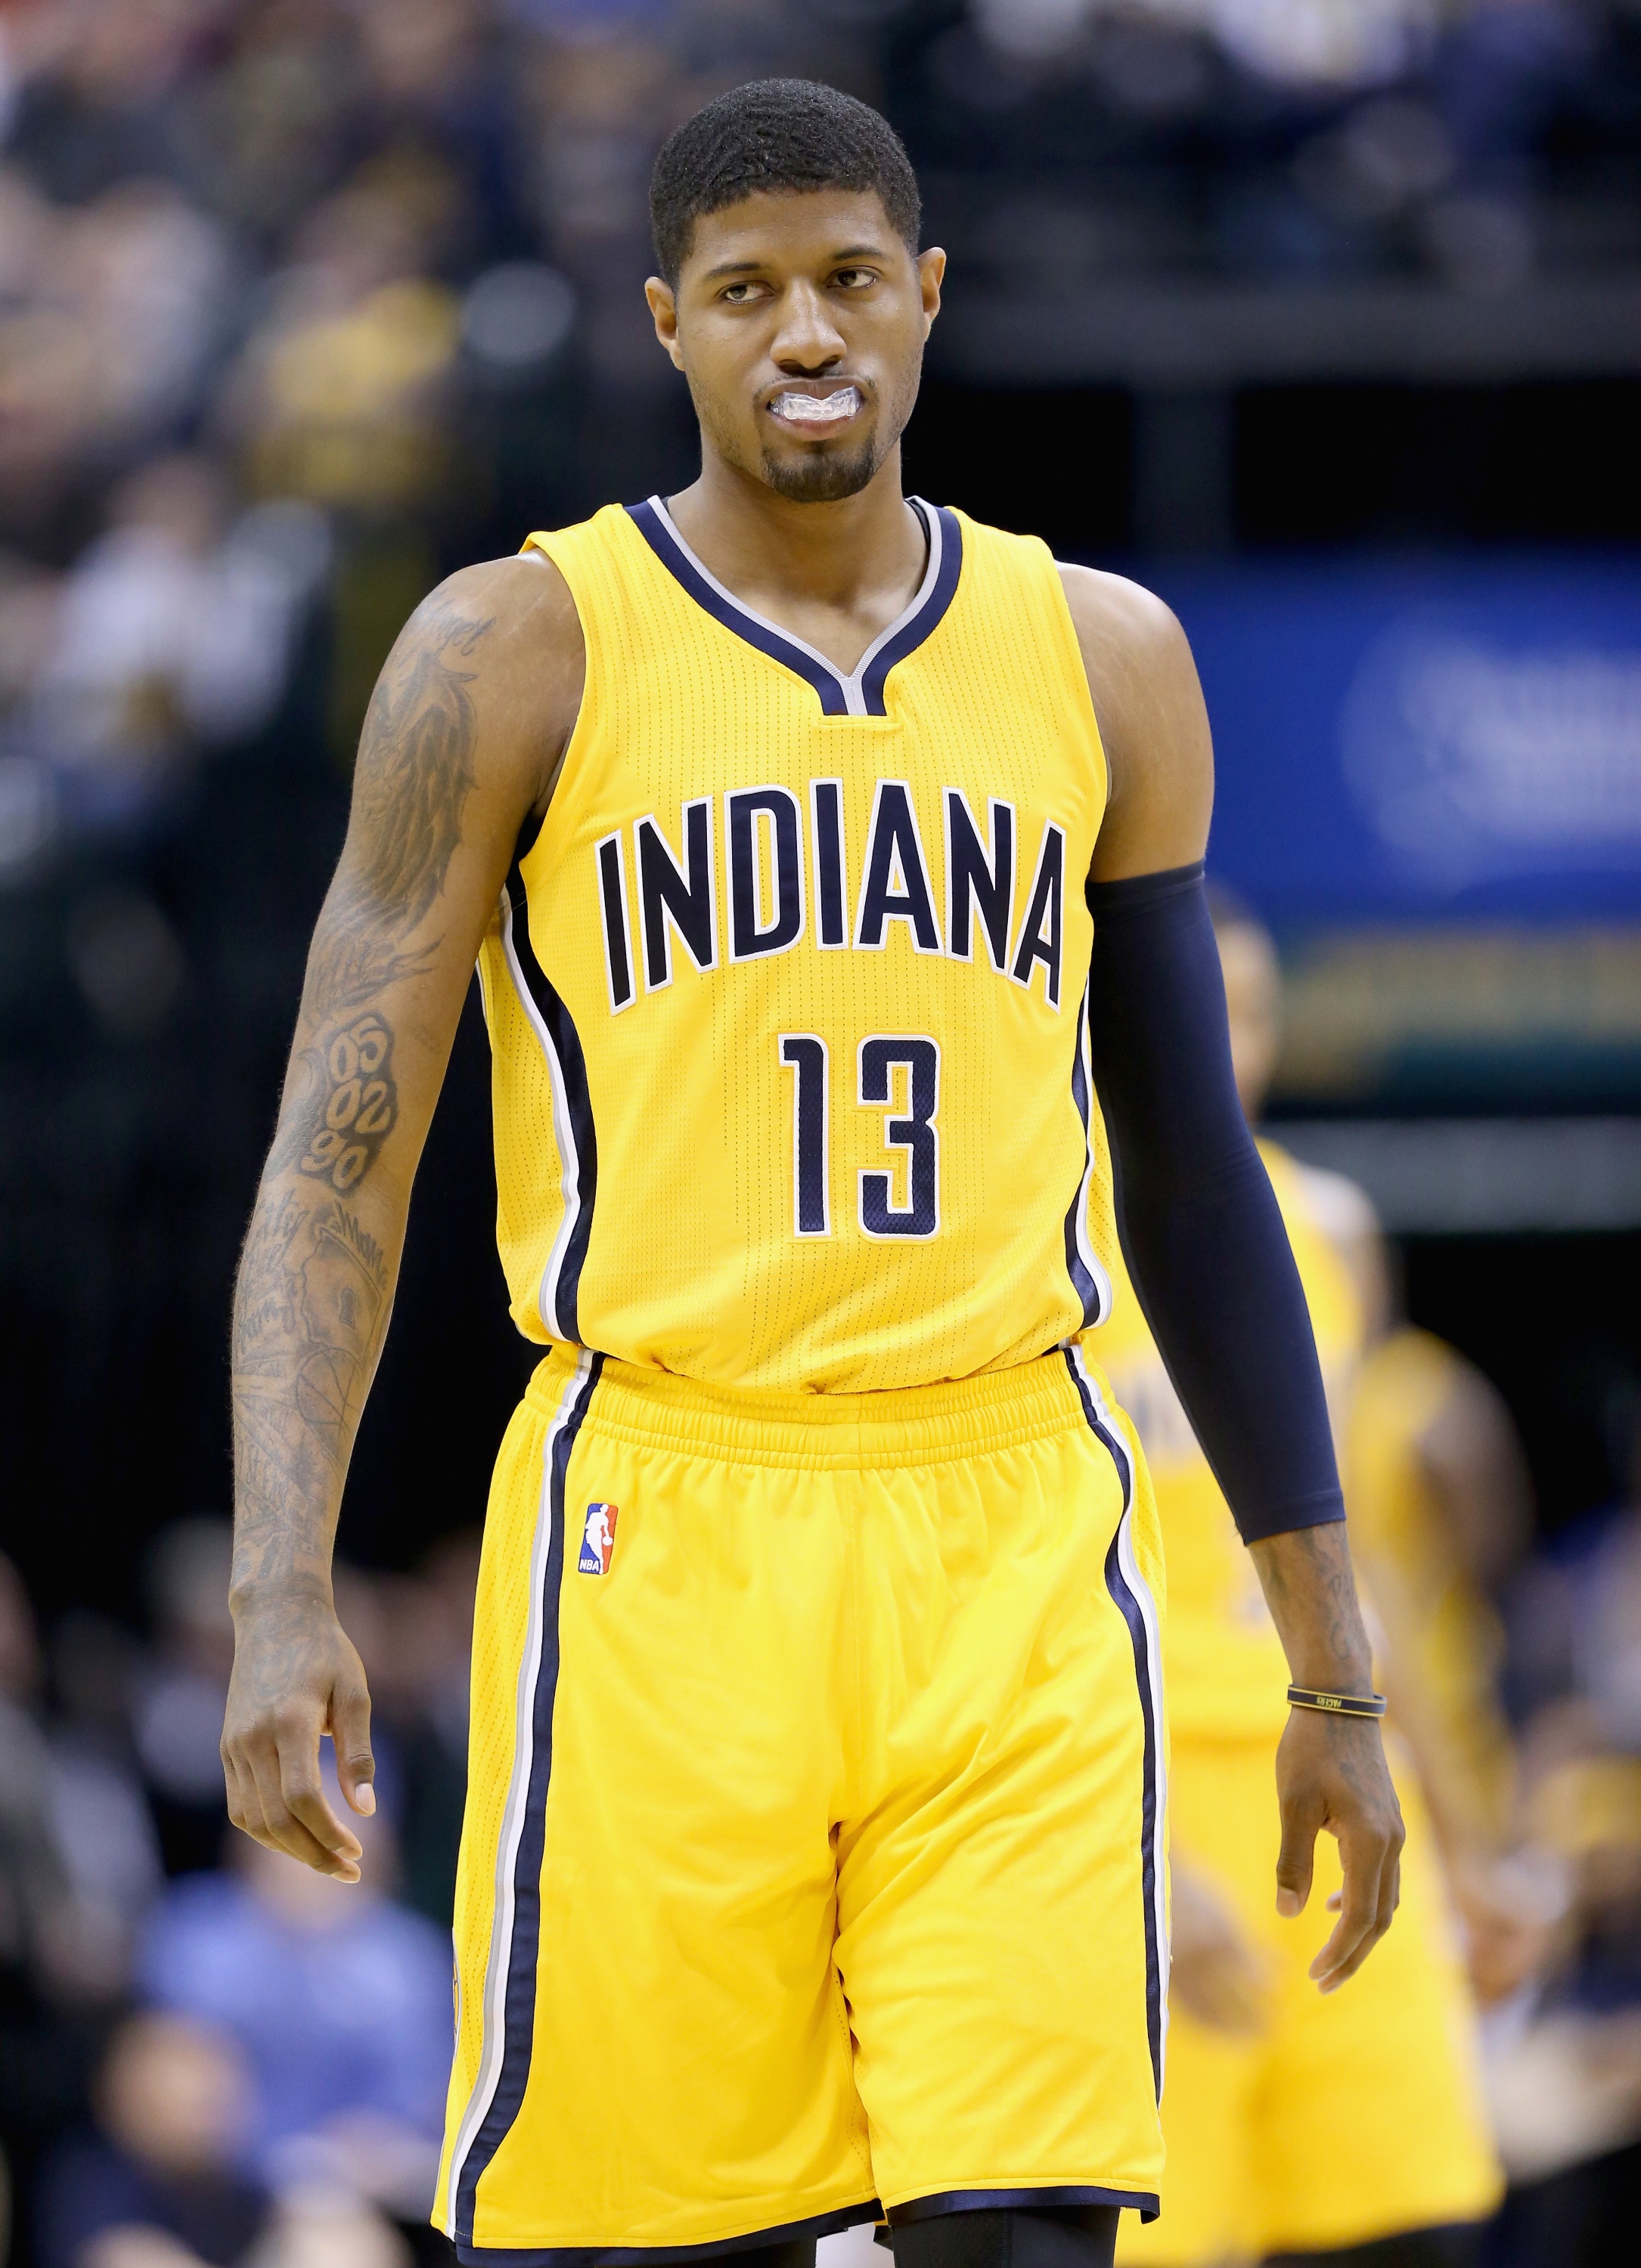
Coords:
1337,1704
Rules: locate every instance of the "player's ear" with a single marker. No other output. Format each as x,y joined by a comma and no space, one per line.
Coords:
663,307
931,274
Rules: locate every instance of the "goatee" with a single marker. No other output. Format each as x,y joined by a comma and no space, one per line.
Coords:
824,478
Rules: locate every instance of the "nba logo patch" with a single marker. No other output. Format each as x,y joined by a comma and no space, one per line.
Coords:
598,1539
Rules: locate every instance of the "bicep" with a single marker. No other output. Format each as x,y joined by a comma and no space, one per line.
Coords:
1153,723
447,772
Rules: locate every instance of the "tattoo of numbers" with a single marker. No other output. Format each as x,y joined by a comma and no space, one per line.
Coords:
360,1105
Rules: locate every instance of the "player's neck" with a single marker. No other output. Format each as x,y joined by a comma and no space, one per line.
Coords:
834,574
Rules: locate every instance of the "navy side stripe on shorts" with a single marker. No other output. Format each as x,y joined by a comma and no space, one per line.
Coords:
1132,1594
518,2001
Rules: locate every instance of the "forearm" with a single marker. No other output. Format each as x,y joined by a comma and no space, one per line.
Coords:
310,1315
315,1281
1311,1591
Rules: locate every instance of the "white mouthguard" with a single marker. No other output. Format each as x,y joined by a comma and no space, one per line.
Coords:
817,409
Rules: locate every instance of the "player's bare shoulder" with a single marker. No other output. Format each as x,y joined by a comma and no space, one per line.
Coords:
497,650
1153,724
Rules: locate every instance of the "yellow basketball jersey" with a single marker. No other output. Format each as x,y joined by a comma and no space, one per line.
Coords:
1226,1672
787,1000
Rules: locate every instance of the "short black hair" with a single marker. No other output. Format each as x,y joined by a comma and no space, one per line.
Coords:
776,134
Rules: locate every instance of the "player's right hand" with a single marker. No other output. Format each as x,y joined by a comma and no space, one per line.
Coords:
296,1677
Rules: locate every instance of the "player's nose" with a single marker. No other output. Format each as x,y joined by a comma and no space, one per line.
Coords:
807,341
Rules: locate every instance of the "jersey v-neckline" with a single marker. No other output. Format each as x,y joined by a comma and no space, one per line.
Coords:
861,692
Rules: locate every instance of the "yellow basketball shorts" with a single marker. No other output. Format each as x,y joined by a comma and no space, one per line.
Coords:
813,1856
1353,2115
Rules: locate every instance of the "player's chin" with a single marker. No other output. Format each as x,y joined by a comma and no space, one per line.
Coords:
824,472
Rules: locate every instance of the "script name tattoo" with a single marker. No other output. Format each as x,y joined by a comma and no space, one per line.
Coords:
1329,1592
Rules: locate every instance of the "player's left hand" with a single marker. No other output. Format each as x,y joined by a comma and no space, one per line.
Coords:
1332,1779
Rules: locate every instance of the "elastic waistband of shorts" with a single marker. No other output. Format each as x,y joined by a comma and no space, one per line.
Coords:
764,1425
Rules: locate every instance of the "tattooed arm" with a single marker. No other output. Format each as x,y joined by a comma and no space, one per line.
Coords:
462,744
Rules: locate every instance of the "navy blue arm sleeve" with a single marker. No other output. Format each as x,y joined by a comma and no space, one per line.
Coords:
1201,1230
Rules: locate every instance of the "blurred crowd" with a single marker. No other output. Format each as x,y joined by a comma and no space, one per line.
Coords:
302,301
1477,144
205,2042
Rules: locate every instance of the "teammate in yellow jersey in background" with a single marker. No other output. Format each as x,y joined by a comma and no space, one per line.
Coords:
1441,1512
1349,2127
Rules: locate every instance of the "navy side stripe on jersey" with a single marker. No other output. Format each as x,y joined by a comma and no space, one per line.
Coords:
510,2026
1131,1594
1089,1279
573,1116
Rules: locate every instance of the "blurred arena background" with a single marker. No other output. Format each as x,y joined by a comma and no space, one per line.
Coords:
1321,316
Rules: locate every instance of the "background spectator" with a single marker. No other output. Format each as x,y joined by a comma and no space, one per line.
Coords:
157,2180
339,2000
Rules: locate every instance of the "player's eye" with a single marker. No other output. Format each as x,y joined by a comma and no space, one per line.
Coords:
740,294
855,279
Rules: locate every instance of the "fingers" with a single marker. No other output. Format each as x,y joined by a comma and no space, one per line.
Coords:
349,1729
1296,1861
309,1828
276,1797
1355,1933
1371,1861
296,1678
1390,1890
244,1811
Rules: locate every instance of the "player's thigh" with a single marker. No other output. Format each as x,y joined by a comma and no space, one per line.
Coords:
1000,1880
653,2034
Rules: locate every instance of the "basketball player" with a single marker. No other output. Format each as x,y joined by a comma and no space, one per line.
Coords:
1345,2130
812,1864
1441,1509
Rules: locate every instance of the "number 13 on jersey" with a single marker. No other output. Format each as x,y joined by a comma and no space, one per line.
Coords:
898,1074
